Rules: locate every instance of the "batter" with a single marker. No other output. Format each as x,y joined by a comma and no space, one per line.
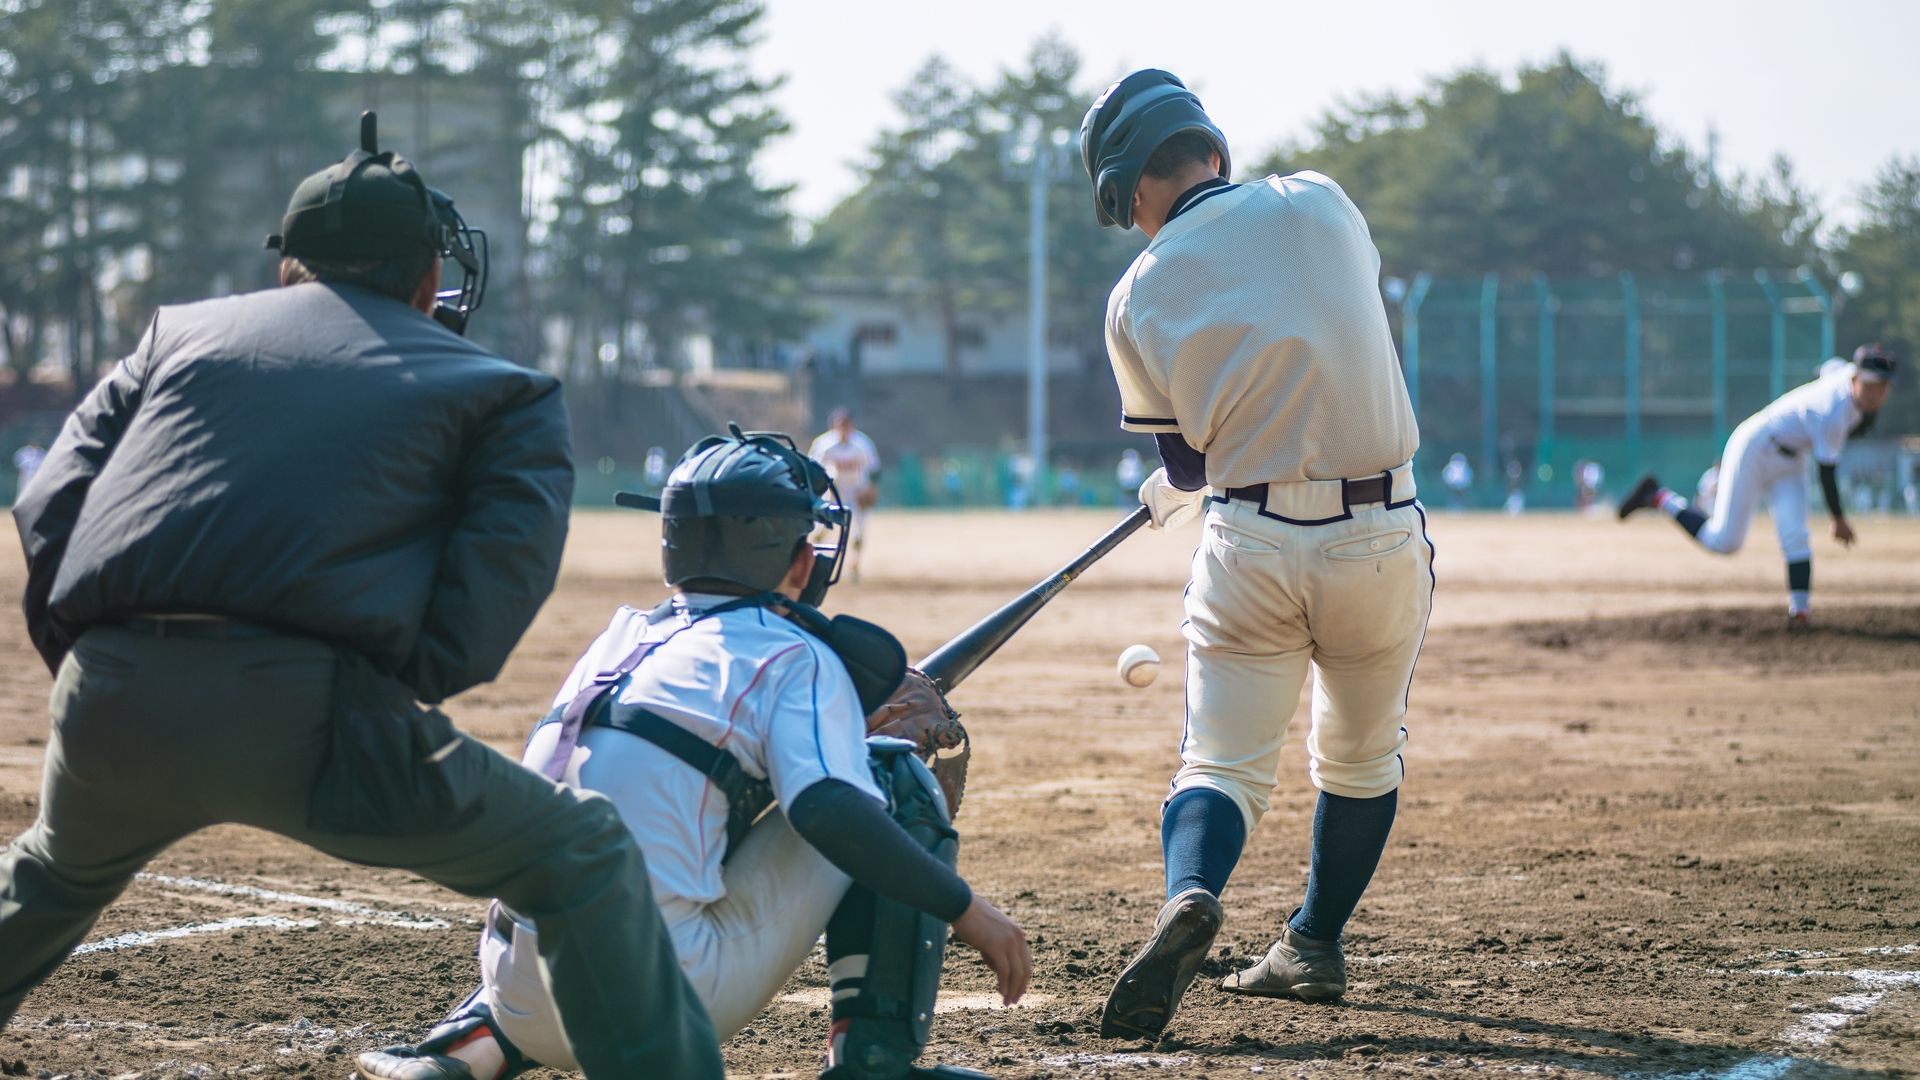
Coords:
1767,456
1251,340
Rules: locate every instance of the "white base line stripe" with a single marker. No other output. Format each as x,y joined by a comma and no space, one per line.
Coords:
360,913
147,937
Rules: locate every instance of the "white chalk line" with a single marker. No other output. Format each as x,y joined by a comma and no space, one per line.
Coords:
148,937
349,914
358,913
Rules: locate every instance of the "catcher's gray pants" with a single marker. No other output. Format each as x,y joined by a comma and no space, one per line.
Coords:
737,951
154,738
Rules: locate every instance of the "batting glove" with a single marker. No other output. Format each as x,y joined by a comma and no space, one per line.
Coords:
1169,506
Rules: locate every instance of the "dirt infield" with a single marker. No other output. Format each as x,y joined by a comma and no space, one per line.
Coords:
1645,831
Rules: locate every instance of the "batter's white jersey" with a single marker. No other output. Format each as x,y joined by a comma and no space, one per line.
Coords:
1253,325
851,461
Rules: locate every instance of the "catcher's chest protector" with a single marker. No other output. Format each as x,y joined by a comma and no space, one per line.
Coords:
893,1016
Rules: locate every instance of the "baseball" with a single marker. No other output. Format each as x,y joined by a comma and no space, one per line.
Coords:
1139,665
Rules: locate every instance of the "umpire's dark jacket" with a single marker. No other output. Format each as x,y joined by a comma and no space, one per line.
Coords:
318,458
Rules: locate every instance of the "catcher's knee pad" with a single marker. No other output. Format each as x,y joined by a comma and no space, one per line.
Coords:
892,1018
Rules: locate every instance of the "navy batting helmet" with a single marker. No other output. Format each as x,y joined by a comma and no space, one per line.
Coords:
1126,125
737,507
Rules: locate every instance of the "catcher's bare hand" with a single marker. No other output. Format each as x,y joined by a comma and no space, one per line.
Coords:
1002,944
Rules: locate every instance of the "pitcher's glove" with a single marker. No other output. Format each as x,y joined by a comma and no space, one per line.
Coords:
918,712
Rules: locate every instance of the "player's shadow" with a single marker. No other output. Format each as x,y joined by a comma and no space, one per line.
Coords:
1612,1053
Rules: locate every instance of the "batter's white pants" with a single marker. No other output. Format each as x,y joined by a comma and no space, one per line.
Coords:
737,951
1750,468
1272,602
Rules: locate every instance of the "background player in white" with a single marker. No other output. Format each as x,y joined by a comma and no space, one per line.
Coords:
854,463
1251,340
748,684
1766,457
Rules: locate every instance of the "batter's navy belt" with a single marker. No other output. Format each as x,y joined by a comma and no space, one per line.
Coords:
1323,502
196,627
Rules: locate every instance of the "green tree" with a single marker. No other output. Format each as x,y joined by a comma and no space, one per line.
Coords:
1551,170
1884,249
662,230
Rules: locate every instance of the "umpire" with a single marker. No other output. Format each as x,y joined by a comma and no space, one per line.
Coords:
283,521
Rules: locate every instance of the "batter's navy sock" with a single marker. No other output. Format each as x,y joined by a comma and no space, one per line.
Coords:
1675,507
1348,837
1800,586
1201,834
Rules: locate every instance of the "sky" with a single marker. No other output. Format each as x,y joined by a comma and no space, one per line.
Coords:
1834,86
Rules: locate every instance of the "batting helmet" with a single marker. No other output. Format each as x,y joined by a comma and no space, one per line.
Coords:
1126,125
737,506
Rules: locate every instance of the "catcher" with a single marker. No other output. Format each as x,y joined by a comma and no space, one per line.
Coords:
693,718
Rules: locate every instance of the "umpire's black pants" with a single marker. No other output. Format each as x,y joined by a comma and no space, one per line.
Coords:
154,738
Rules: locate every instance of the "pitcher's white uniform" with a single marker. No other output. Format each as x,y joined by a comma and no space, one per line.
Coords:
777,699
852,462
1767,456
1252,325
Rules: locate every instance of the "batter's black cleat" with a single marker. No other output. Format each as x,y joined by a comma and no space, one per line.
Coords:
1644,494
1297,966
1149,990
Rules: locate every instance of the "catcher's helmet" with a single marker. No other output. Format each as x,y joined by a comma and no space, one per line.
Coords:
373,205
1126,125
736,507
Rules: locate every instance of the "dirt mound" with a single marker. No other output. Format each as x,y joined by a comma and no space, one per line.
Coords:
1857,638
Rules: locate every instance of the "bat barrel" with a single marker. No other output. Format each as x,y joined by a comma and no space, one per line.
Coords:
957,659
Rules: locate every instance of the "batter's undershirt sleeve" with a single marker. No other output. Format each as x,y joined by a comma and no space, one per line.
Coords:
863,841
1186,467
1830,487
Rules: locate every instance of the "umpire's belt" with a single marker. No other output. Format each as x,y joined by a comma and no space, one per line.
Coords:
197,627
1323,502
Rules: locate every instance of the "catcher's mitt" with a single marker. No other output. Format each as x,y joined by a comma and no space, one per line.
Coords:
918,712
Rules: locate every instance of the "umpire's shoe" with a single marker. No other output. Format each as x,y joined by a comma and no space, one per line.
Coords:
1645,494
1149,990
1297,966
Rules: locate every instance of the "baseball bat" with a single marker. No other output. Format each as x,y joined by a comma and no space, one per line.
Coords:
955,660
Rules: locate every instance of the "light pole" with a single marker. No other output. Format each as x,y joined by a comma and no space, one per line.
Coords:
1040,157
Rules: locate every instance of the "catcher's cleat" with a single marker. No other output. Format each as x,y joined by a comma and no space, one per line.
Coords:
914,1072
408,1063
1644,494
1149,990
1296,966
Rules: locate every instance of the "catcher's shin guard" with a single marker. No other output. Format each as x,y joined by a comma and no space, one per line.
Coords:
891,1017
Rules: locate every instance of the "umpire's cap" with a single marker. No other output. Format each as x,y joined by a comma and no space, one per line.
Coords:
736,507
370,206
1126,125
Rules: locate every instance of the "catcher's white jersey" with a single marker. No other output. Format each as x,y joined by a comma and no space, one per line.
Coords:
851,461
747,681
1252,325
